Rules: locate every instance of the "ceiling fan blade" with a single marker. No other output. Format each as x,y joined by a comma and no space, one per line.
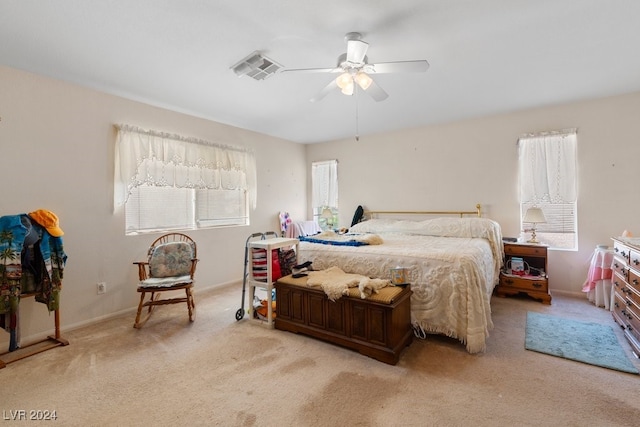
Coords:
418,66
356,51
376,92
311,70
325,91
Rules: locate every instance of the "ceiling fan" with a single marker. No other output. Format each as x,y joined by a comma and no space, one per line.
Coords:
355,70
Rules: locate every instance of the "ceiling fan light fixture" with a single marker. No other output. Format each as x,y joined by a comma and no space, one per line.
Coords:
343,80
348,89
354,70
363,80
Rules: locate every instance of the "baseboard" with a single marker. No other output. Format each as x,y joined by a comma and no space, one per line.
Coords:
67,327
572,294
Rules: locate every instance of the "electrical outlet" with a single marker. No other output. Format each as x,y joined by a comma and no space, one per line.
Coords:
102,288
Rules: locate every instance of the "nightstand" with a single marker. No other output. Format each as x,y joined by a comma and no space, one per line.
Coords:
533,281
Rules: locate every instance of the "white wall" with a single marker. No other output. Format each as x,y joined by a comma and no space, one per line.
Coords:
57,144
56,153
454,166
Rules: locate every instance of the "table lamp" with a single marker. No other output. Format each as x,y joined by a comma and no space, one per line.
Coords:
328,216
534,216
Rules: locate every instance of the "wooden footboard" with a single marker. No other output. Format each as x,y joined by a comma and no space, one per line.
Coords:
379,326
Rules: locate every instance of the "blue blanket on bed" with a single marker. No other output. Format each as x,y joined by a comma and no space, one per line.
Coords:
332,242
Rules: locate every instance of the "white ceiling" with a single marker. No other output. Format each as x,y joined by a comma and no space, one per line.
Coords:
486,57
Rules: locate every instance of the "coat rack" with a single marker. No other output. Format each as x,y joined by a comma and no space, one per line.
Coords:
32,264
52,341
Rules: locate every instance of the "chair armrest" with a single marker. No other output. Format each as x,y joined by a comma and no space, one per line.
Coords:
142,269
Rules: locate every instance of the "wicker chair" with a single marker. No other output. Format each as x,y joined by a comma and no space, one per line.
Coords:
170,267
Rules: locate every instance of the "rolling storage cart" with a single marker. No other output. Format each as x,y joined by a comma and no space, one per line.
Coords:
267,241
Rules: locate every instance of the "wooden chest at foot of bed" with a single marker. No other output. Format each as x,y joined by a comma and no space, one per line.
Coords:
378,326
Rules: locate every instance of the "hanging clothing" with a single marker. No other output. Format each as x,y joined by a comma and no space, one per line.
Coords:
12,234
31,261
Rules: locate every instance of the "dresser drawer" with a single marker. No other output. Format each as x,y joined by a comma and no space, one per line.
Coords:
627,311
626,285
540,251
619,306
631,300
634,260
620,267
631,320
514,282
621,250
633,279
619,283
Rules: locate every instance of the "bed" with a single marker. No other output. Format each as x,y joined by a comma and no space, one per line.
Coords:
453,265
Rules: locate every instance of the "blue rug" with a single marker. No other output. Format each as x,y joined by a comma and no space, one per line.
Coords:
590,343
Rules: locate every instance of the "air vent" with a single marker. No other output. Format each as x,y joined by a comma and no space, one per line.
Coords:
256,66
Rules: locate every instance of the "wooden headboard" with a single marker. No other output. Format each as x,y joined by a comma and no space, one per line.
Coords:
477,212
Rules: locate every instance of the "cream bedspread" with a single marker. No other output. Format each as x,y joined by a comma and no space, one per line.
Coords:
453,267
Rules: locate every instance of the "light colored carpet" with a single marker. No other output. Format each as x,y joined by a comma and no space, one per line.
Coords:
586,342
217,371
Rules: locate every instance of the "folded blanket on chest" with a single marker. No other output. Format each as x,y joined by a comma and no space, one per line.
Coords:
336,283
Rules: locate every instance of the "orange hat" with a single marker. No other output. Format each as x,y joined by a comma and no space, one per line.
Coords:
48,220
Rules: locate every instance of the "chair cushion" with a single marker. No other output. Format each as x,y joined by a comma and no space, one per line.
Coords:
165,282
171,260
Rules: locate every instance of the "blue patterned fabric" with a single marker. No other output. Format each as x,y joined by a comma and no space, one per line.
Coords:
332,242
12,234
171,260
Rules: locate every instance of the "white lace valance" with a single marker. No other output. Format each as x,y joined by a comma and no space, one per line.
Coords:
166,160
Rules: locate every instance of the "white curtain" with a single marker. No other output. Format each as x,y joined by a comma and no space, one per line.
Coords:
324,180
548,168
165,160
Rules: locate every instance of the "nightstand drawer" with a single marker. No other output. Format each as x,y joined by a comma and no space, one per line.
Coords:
516,282
540,251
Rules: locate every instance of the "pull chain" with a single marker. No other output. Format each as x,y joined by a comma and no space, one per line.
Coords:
357,128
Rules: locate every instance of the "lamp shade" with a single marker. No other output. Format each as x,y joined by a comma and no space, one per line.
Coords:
348,89
344,80
363,80
326,213
534,215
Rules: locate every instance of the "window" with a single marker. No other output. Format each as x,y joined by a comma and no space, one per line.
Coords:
324,198
167,182
151,208
548,180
